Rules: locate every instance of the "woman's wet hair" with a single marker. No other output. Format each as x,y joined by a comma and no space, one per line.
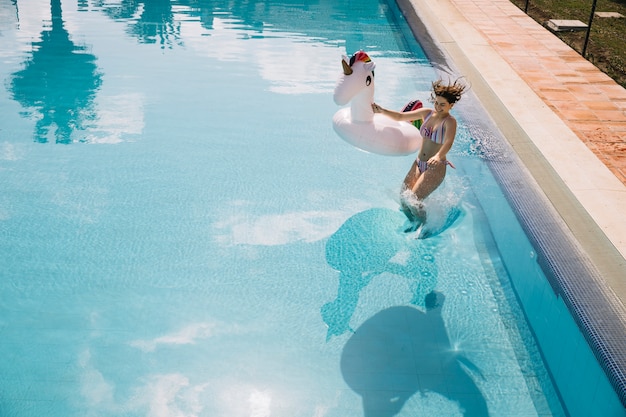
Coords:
450,91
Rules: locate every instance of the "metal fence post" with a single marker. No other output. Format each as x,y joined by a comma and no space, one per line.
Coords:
593,11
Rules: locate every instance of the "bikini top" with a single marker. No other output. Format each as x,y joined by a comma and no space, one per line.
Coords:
435,135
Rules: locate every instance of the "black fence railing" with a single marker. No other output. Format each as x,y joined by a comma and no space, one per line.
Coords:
593,11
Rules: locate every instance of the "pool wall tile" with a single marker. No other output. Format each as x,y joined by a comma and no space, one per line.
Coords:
552,285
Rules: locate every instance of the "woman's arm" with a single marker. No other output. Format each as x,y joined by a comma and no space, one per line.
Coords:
408,116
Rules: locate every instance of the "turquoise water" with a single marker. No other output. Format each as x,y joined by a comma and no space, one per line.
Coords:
183,234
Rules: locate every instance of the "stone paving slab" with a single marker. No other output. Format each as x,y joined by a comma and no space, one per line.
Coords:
590,103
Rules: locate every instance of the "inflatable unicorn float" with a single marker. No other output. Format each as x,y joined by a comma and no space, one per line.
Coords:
358,124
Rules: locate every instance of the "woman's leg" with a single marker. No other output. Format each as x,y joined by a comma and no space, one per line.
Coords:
411,177
410,207
421,185
428,182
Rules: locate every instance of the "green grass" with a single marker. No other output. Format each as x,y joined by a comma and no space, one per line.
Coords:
606,47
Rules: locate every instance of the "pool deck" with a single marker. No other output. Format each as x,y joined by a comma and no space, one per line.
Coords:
564,117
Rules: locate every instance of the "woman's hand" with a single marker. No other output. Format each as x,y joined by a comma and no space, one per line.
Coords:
376,108
435,160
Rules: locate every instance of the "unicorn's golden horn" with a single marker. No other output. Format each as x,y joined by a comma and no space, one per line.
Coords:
346,68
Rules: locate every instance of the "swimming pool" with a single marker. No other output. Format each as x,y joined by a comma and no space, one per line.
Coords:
184,234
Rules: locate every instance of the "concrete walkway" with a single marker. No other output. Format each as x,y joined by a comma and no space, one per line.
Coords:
563,116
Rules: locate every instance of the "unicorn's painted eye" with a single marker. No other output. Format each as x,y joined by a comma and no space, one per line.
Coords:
368,80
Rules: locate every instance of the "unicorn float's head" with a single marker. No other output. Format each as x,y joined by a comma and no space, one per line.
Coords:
356,84
358,124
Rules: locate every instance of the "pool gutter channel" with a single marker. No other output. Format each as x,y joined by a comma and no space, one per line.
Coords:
582,265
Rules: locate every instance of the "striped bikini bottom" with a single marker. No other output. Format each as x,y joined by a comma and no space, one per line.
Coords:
423,165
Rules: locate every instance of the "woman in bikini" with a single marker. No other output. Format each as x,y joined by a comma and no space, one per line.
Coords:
438,131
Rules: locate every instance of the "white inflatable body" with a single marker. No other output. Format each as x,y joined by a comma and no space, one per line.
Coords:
381,135
358,124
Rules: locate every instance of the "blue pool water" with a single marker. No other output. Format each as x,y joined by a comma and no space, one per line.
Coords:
183,234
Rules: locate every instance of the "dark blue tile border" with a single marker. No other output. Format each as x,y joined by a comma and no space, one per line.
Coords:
598,312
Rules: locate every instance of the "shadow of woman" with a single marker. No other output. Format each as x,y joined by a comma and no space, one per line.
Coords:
368,244
401,351
59,82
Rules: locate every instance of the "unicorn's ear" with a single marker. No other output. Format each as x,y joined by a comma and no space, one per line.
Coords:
369,66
